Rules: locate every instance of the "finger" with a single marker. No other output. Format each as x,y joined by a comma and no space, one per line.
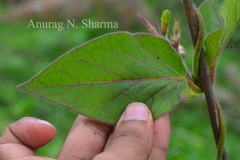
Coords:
161,136
132,138
29,131
11,151
85,139
22,138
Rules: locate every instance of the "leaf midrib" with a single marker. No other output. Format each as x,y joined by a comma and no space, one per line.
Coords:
114,81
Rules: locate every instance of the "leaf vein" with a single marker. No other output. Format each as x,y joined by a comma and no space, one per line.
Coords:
113,81
154,56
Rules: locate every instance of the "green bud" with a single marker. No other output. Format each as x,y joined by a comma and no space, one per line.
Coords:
189,93
165,19
176,27
166,16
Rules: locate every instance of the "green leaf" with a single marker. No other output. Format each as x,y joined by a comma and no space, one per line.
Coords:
216,40
100,78
209,11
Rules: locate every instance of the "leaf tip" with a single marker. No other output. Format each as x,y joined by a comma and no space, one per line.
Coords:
21,86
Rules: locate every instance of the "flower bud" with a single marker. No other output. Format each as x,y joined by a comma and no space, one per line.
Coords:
176,28
165,19
148,24
181,50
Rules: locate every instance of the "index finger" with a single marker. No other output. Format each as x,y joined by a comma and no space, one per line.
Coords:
161,137
85,140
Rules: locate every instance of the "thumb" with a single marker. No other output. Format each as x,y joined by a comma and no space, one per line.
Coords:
132,138
29,131
21,139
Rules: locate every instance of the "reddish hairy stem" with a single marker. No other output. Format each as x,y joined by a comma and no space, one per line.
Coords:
206,81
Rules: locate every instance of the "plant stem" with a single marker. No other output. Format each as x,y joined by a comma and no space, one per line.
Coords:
211,102
192,19
206,83
222,125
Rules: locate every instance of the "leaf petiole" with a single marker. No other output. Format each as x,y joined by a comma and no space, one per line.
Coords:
199,44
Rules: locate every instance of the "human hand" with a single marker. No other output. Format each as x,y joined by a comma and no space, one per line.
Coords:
136,137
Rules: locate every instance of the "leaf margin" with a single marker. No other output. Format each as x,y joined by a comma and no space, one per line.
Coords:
132,34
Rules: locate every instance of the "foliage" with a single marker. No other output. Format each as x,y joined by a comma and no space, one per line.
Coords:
100,78
111,69
24,52
219,29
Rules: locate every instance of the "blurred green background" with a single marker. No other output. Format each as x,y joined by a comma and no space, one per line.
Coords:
25,52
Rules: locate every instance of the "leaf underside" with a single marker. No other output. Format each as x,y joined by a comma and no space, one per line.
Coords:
100,78
218,37
210,12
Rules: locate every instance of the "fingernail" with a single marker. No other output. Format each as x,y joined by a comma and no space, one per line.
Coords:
136,111
45,122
